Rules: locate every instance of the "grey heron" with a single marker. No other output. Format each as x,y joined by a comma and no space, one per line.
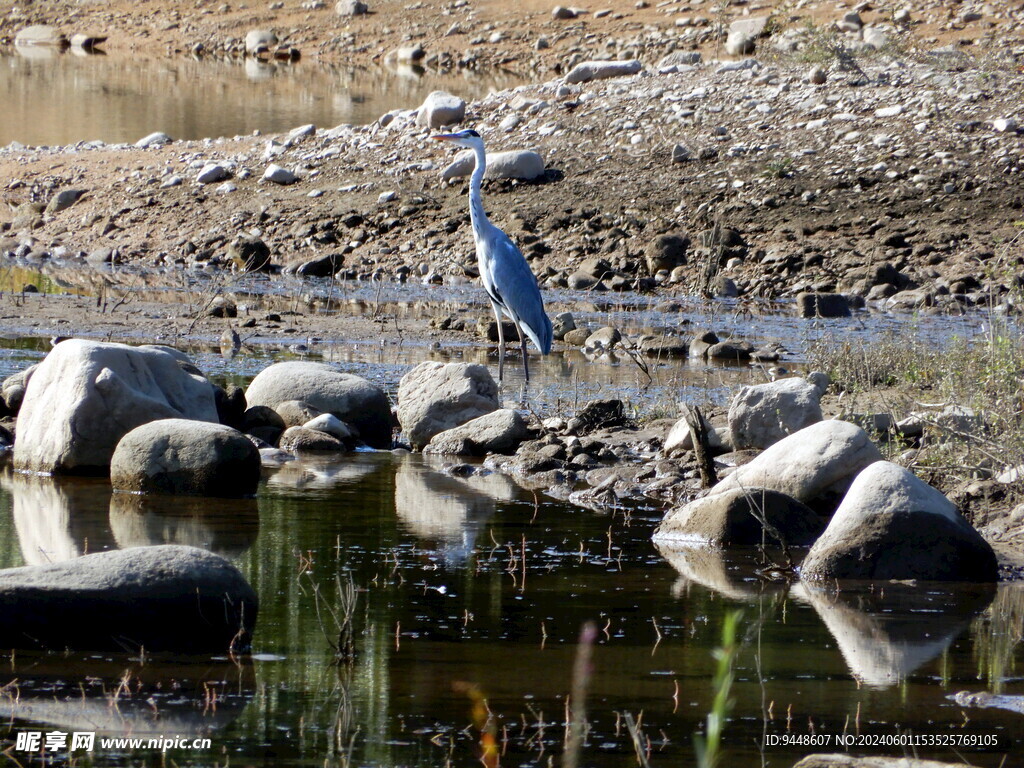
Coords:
506,276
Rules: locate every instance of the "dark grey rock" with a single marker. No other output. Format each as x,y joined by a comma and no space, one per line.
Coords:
822,305
249,253
299,440
186,457
667,252
735,518
500,431
893,525
166,598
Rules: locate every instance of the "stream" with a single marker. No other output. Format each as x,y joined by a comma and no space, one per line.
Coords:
471,592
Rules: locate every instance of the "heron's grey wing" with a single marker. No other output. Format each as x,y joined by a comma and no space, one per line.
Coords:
516,286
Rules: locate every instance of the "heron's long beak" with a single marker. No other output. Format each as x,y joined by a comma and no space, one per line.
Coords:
444,137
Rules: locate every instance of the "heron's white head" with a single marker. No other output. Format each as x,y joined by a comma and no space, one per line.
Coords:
467,138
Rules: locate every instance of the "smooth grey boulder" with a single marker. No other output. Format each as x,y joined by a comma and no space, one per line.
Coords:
893,525
332,425
763,414
193,458
514,164
818,463
166,598
680,438
439,109
211,173
743,33
40,34
561,324
300,440
278,175
155,139
586,71
352,399
295,413
259,40
735,518
13,388
407,54
500,431
679,59
86,395
63,200
434,397
350,7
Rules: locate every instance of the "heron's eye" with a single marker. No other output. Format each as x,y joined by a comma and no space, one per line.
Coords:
472,133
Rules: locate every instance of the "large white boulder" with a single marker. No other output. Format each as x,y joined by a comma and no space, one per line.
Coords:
352,399
514,164
258,40
86,395
439,109
434,397
893,525
40,34
763,414
186,457
818,461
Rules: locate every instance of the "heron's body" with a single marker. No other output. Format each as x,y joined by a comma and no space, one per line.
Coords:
506,276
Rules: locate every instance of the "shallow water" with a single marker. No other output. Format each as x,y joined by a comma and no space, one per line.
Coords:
55,99
473,589
447,612
560,382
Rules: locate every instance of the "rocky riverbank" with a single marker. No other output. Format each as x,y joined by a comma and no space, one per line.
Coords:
889,174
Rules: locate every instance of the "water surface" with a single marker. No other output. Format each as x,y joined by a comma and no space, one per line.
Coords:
472,589
56,99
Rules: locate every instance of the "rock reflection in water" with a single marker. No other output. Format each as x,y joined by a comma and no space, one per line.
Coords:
112,697
730,573
56,519
886,631
446,510
226,527
312,473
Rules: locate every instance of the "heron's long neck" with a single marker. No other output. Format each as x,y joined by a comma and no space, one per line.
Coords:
476,204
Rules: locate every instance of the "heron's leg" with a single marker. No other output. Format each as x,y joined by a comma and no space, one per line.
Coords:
501,341
522,338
